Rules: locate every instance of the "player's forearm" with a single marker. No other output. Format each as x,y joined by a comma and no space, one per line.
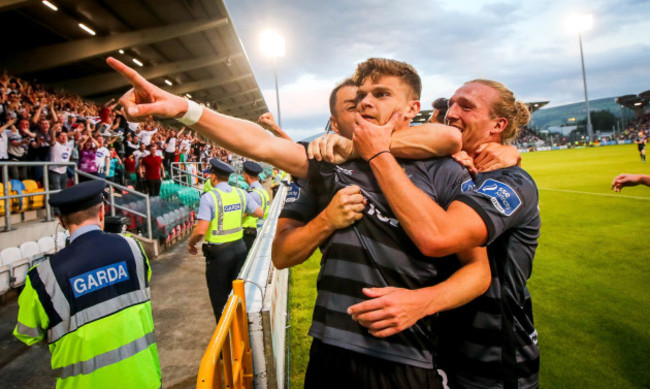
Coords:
292,246
467,283
644,179
425,141
250,140
423,223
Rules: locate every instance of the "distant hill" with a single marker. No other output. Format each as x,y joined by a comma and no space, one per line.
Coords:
557,116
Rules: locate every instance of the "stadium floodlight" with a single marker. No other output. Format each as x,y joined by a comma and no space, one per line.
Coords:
580,24
137,62
120,51
272,45
50,5
189,96
87,29
168,82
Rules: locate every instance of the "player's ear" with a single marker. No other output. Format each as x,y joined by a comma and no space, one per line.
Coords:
334,125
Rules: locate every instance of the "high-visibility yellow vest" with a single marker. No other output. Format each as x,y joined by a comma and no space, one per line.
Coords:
250,221
207,187
91,302
226,226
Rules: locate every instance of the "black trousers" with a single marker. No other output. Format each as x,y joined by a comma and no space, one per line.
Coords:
249,238
334,367
153,187
223,263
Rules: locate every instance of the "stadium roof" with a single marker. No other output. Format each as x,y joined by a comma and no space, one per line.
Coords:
635,102
190,44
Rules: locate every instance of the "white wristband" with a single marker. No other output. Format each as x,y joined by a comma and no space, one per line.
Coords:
193,114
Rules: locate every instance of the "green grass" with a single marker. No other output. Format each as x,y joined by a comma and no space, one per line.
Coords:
590,275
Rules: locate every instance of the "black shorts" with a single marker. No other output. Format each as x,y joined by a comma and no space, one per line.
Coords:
334,367
641,146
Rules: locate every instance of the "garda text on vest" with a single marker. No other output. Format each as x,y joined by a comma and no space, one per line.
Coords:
99,278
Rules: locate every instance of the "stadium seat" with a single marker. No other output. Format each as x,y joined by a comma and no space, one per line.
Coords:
59,240
18,204
5,279
47,244
30,250
18,264
37,201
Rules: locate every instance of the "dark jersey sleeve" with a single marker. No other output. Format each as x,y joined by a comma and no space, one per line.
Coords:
503,198
300,204
441,178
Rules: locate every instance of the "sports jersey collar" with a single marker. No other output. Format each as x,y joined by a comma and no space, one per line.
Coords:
82,230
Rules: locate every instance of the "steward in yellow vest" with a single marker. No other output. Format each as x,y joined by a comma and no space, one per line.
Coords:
91,301
252,171
220,217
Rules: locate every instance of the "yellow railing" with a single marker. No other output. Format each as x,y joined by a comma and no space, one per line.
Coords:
227,361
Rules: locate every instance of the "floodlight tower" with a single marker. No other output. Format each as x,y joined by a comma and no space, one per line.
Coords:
580,24
273,46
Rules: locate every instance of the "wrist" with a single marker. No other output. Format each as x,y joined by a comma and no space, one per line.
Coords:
378,154
191,114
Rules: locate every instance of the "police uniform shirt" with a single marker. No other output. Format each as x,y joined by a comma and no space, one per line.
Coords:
255,195
491,349
375,252
207,207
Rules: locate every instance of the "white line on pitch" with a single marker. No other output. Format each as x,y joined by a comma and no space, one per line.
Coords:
598,194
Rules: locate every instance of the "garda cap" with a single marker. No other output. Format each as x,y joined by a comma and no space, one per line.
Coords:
219,167
79,197
252,168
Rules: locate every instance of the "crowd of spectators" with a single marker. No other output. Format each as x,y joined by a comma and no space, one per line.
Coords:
642,123
528,137
38,125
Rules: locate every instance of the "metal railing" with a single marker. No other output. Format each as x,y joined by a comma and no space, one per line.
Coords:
230,344
184,177
6,197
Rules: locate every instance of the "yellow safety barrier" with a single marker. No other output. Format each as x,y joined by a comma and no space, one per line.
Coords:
229,349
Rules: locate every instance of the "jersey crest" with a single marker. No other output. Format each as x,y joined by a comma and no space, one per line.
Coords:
467,185
293,194
502,196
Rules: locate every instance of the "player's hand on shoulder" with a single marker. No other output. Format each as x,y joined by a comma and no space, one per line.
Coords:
332,148
493,156
466,161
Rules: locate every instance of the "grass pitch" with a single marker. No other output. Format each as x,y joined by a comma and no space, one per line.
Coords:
590,276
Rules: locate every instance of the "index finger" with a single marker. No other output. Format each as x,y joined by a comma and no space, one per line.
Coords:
131,75
365,306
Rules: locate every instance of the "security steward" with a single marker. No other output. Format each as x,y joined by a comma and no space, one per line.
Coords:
91,301
252,171
221,212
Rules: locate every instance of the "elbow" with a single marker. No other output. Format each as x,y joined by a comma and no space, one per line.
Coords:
454,140
433,246
277,258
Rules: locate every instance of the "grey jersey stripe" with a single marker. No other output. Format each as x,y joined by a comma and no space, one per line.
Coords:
108,358
372,346
96,312
28,331
227,232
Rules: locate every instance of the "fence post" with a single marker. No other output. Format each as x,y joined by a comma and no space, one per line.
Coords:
46,188
7,192
112,193
149,231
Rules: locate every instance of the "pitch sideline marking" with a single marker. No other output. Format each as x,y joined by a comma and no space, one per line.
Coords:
597,194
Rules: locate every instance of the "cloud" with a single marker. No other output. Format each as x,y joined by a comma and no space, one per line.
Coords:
522,44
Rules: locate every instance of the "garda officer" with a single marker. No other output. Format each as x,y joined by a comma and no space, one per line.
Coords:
91,301
252,171
221,212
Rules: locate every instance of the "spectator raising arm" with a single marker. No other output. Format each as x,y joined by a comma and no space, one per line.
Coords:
239,136
267,121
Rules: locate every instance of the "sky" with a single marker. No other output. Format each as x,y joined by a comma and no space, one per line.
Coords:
524,44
